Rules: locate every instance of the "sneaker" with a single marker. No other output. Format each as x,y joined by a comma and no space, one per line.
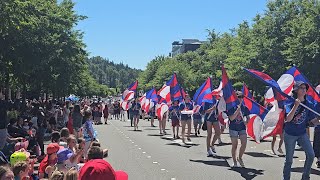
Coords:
174,136
164,132
280,151
188,139
153,125
210,153
196,134
213,149
198,131
240,162
318,164
219,141
234,165
178,137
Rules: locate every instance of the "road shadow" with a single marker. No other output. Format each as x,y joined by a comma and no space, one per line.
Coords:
220,157
224,144
167,138
300,170
212,163
258,154
283,156
150,129
139,130
179,144
199,136
157,135
247,173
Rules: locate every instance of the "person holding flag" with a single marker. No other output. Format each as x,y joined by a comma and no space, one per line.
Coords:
152,114
136,107
297,119
175,116
237,130
185,108
210,117
197,122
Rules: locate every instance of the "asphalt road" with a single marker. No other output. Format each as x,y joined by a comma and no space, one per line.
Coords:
145,155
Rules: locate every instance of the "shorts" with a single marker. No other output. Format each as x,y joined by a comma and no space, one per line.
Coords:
197,121
175,123
236,134
211,119
187,119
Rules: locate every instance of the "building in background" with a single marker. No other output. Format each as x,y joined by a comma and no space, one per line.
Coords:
185,46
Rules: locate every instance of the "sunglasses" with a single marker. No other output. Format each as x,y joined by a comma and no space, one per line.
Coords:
241,97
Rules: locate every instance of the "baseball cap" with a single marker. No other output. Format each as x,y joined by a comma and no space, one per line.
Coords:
17,157
53,148
99,169
64,154
297,84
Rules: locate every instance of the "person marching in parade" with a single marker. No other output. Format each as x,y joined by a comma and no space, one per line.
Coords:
162,123
237,130
197,122
152,115
210,117
175,116
296,122
186,118
136,113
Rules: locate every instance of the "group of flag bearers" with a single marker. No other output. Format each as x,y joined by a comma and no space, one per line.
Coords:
290,110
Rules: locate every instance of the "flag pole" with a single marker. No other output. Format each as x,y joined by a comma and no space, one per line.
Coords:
310,109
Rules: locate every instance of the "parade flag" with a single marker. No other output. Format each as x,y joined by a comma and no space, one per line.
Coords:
161,109
246,92
164,95
254,107
229,94
312,94
151,99
142,101
203,94
130,92
279,95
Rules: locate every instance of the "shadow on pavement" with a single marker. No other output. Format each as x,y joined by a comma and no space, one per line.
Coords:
179,144
152,129
258,154
212,163
167,138
300,169
221,157
224,144
247,173
135,131
283,156
159,135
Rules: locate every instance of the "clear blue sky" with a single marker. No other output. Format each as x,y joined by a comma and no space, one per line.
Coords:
135,31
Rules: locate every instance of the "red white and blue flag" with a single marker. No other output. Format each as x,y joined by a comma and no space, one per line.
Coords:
312,94
203,95
176,91
229,94
246,92
151,99
130,92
